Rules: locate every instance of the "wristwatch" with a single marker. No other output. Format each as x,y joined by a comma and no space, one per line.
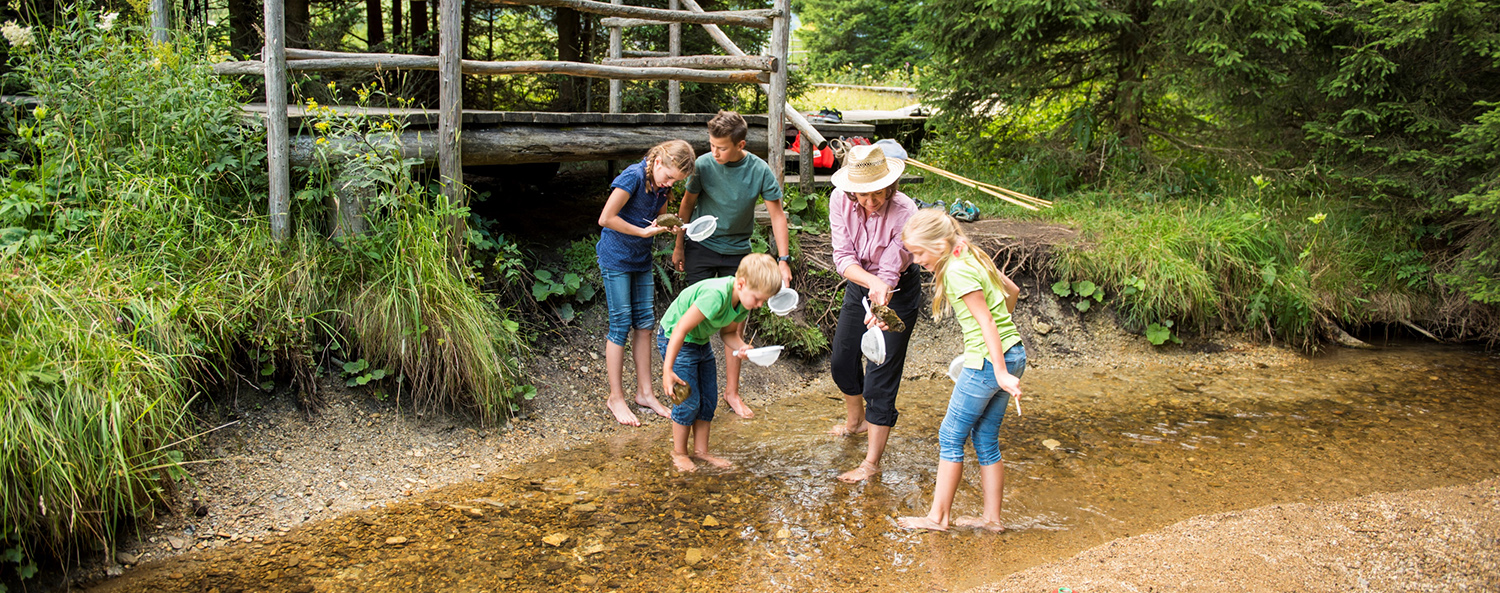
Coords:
784,258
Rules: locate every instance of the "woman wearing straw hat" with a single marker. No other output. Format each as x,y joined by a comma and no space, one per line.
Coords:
866,214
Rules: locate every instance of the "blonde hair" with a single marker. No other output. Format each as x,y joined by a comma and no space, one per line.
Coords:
759,273
934,231
676,153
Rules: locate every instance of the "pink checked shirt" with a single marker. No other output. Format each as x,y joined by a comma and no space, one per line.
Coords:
871,240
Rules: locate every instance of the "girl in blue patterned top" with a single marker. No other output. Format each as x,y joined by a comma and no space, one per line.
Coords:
629,219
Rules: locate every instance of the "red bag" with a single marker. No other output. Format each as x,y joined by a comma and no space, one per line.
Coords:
822,157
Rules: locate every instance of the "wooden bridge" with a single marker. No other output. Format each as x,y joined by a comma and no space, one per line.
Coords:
497,137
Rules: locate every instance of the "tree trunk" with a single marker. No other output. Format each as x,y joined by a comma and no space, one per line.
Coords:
374,23
298,17
396,26
420,43
569,30
244,39
346,207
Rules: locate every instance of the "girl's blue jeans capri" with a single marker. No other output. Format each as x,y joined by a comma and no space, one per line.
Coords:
632,301
976,409
695,365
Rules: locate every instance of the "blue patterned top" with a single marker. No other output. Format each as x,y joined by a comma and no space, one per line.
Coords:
625,253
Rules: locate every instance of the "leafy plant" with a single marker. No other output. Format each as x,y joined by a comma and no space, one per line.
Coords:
359,373
1161,333
1083,290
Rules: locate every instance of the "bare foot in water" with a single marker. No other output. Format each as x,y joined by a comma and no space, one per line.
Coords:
979,523
650,401
621,410
683,463
843,430
718,462
738,405
920,523
861,473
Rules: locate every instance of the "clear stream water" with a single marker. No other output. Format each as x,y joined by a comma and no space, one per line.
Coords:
1139,450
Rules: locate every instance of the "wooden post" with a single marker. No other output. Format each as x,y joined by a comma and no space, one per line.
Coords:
616,44
776,95
161,20
805,165
450,114
674,48
277,165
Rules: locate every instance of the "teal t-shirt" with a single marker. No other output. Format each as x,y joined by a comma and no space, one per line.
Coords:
964,275
729,193
712,298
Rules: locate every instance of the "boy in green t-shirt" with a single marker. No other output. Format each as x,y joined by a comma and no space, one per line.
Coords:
726,184
715,305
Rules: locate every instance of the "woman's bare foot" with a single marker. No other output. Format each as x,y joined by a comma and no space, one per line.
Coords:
738,405
683,463
621,410
718,462
843,430
979,523
650,401
861,473
920,523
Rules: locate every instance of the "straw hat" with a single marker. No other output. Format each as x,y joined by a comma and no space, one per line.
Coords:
866,168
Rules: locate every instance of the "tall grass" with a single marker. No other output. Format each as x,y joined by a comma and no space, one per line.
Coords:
137,273
1211,245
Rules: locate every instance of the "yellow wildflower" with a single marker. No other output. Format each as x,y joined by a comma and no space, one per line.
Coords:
321,126
321,141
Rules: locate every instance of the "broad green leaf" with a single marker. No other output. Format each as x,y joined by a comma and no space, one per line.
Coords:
1081,306
1062,288
1084,288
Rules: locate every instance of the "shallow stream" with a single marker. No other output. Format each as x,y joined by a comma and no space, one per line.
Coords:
1136,450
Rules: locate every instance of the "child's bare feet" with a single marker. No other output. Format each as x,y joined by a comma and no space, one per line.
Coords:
861,473
979,523
618,407
650,401
718,462
738,405
844,430
683,463
921,523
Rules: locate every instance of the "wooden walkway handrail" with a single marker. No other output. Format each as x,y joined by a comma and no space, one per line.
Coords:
798,121
762,63
759,19
403,62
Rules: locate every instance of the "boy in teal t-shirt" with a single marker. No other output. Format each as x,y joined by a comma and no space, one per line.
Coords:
716,305
726,183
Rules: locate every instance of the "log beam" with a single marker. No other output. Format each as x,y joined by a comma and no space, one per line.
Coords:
762,63
759,19
520,144
404,62
277,132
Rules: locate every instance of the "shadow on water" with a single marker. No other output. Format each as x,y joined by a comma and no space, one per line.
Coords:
1136,450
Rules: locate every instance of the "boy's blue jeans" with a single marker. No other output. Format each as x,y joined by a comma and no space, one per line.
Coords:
632,300
976,409
695,365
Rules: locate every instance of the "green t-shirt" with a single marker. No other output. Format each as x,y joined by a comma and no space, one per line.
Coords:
965,275
712,299
729,193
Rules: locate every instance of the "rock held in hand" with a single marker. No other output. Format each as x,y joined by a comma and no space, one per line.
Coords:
668,220
889,317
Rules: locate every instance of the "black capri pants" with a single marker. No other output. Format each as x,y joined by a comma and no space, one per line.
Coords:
855,376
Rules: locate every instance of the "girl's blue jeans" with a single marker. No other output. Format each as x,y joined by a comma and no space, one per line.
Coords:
632,302
696,366
976,409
